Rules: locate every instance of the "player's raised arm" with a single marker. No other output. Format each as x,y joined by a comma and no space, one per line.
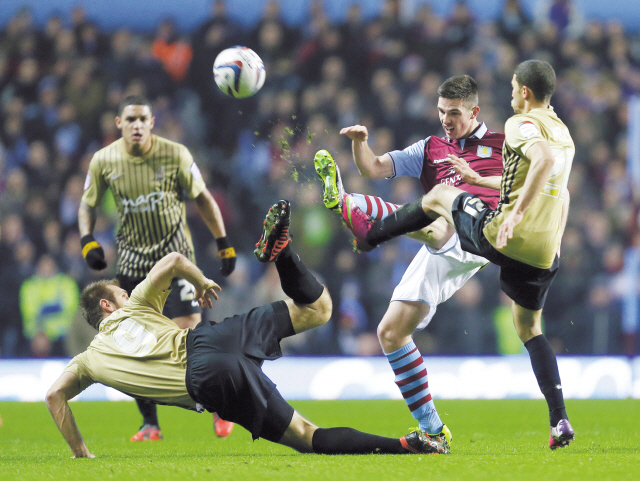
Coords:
66,387
542,162
176,265
369,164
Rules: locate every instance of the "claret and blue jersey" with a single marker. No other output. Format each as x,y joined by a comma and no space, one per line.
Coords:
427,160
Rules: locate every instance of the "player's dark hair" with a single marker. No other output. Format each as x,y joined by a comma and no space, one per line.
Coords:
133,100
462,87
538,76
90,300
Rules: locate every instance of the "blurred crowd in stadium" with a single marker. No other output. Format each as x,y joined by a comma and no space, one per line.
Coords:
60,86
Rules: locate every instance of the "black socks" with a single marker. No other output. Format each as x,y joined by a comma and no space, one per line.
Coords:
351,441
149,412
296,281
408,218
545,367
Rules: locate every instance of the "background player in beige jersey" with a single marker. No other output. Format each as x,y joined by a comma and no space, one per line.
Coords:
149,177
522,235
215,366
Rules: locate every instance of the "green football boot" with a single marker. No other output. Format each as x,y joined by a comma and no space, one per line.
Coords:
443,437
329,174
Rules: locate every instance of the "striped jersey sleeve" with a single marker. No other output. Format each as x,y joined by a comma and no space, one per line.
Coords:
95,185
189,175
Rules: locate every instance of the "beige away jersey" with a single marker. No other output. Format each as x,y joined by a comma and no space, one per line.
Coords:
537,237
138,351
149,192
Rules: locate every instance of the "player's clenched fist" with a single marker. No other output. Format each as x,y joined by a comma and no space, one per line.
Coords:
93,253
227,255
356,132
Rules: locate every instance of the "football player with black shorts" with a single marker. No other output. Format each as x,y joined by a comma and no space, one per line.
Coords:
213,366
150,177
522,235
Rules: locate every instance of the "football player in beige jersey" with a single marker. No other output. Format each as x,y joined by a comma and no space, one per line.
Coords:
149,177
214,366
522,235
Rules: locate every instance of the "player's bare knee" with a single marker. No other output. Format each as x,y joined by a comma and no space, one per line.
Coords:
386,333
299,434
323,307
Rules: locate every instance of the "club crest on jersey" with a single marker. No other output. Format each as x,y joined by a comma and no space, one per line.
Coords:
160,173
528,130
484,151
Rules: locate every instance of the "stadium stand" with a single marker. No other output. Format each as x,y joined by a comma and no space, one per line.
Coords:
61,83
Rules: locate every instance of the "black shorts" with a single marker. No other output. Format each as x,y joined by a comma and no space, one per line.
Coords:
224,369
526,285
180,301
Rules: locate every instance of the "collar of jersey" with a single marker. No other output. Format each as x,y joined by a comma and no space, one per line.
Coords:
480,131
478,134
142,158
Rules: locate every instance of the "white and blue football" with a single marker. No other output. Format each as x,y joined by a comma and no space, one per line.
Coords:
239,72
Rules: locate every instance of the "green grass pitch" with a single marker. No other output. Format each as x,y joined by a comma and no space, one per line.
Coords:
492,440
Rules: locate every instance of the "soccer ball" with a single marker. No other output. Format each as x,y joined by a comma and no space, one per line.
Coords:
239,72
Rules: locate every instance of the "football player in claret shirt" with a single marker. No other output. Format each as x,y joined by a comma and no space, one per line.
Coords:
468,156
522,234
150,177
214,366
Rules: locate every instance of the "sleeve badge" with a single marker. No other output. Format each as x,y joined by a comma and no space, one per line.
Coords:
195,172
529,130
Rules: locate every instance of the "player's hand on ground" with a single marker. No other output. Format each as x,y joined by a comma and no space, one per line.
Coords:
227,255
206,293
93,253
356,132
505,232
467,174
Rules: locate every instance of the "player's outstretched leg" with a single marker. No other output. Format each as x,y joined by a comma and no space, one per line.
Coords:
349,206
367,234
275,233
275,246
351,441
358,223
335,199
329,173
305,437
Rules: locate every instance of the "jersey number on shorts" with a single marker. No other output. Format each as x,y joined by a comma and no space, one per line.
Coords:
134,339
187,292
473,206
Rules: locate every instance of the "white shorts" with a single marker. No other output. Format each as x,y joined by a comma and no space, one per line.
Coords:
434,276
